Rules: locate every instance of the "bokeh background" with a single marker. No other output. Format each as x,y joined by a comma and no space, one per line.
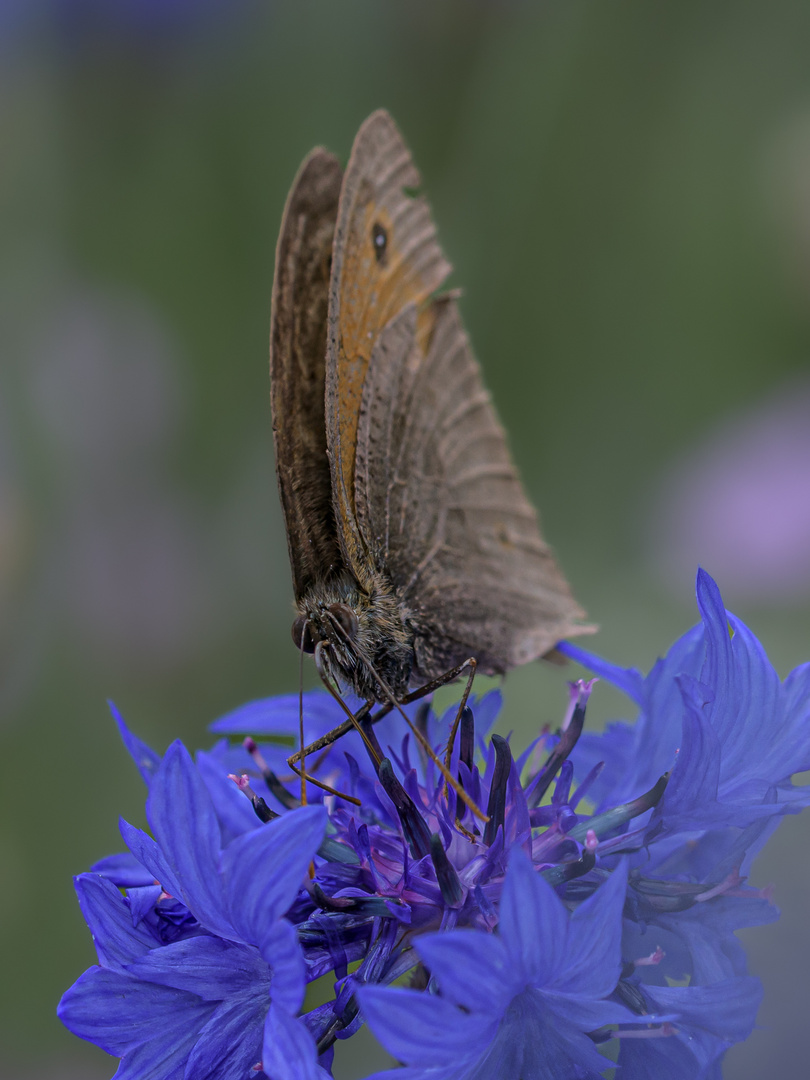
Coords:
624,190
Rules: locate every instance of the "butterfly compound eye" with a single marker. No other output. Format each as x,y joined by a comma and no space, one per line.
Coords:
379,237
345,617
304,635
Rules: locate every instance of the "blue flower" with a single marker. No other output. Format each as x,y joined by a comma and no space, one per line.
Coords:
709,1019
715,713
519,1003
206,981
588,891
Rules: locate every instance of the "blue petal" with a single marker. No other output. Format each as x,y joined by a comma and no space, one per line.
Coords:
288,1051
629,680
263,870
155,1060
109,919
709,1019
593,956
118,1012
693,785
147,853
472,968
142,901
422,1029
144,756
279,715
209,967
582,1013
726,1010
534,1043
235,812
720,669
185,826
747,705
668,1058
421,1074
486,710
281,951
123,870
707,933
230,1044
636,755
533,922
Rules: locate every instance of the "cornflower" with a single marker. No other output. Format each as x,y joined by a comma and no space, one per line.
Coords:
585,918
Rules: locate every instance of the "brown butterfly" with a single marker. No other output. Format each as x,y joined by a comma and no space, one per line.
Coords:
412,544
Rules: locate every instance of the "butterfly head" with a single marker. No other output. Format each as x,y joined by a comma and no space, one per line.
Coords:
361,636
335,619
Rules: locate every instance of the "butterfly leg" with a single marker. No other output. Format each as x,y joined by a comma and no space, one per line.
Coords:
362,717
441,680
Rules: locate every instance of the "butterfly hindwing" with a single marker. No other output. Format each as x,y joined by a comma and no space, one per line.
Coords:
443,509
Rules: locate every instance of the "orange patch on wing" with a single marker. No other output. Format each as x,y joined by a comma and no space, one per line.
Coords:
373,292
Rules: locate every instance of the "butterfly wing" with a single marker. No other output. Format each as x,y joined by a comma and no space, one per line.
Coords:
385,256
442,509
297,367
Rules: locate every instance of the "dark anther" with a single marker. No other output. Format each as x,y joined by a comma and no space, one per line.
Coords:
667,896
568,741
379,238
304,634
420,721
558,875
612,820
262,810
366,906
467,738
414,825
375,751
336,1025
334,851
496,807
274,785
346,619
452,892
629,994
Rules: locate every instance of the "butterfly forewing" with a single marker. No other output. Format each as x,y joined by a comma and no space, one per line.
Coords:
385,256
297,368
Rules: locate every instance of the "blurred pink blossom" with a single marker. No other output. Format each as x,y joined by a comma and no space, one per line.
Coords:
739,503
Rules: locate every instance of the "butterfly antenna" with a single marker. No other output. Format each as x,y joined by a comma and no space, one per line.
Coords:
423,742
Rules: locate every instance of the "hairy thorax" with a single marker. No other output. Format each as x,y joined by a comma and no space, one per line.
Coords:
366,633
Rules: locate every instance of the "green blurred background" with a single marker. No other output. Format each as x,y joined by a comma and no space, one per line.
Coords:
624,191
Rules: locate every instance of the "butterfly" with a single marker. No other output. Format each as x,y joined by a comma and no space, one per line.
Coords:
413,547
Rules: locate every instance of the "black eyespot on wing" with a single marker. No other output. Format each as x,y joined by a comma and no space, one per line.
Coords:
379,238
